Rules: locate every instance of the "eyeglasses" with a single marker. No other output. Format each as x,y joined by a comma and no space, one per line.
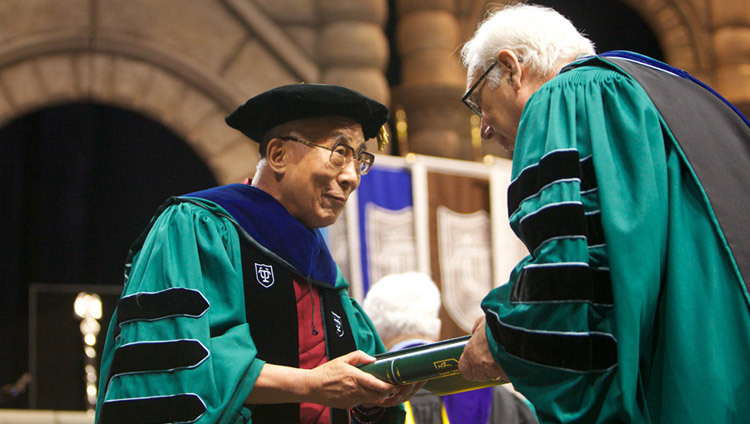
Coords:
474,105
342,154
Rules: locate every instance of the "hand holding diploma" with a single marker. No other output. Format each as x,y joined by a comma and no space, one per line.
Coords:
436,364
476,362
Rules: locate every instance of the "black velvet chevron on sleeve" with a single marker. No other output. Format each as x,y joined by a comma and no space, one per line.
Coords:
573,351
183,408
555,166
552,221
167,303
157,356
563,283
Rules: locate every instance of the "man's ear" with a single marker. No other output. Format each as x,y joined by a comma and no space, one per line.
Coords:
510,67
276,155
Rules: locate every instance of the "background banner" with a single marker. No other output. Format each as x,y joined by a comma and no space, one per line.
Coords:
444,217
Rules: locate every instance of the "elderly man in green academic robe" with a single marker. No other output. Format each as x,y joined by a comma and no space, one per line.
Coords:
233,310
629,188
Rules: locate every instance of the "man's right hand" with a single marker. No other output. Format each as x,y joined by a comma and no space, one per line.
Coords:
340,384
337,383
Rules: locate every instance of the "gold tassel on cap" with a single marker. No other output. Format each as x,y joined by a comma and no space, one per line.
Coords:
382,138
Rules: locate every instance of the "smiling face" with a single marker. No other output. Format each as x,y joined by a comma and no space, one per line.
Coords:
309,186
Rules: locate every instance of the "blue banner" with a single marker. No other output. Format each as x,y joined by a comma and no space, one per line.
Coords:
387,189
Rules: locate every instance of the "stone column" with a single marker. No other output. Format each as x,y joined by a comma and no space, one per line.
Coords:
432,79
352,47
731,40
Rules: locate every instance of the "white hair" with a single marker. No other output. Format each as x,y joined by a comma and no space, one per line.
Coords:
404,305
540,36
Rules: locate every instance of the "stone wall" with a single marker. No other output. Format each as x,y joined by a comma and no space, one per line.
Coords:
186,63
709,39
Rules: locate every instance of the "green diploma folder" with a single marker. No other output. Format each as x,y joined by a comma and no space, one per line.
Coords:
436,363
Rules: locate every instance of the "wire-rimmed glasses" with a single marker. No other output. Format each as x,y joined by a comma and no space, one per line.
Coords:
473,104
341,154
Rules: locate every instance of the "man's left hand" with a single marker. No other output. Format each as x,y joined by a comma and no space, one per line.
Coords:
477,363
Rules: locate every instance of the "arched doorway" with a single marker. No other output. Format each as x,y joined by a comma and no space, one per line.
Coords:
78,183
610,24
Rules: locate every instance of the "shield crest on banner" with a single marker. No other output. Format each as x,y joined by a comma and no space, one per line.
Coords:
390,241
465,250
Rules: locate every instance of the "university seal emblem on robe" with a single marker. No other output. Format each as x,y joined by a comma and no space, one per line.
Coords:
264,275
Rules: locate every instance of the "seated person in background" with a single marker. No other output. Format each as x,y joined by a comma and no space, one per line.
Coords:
404,310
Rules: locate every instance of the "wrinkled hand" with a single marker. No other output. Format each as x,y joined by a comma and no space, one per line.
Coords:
403,393
340,384
477,363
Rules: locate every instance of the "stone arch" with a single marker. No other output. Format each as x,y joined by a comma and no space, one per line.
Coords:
683,31
142,77
681,26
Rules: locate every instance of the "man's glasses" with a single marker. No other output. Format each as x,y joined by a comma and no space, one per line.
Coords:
473,104
342,154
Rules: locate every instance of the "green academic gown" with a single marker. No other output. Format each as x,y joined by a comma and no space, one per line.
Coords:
630,306
189,355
